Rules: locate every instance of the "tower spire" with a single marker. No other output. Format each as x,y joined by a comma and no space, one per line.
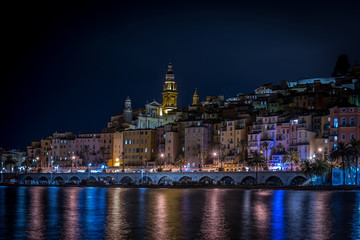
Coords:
170,91
195,98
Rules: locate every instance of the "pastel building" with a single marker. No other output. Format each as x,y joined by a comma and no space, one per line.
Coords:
264,130
87,147
62,149
140,146
106,146
344,124
197,140
118,150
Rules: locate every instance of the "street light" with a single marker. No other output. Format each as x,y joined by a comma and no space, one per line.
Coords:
52,163
72,163
218,156
89,171
162,157
37,159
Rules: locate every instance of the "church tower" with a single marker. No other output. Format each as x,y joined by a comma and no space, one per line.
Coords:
195,98
128,111
169,92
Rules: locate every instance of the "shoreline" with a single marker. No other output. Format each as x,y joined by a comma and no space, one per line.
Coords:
293,188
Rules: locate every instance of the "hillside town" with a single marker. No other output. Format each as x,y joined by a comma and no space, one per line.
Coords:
309,116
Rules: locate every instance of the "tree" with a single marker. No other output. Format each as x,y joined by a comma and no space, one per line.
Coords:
244,146
342,151
355,151
342,66
265,146
26,163
10,161
320,168
86,152
122,157
332,165
257,161
291,157
180,160
102,151
202,156
307,170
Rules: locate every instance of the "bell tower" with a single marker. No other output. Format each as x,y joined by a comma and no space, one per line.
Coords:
128,110
170,91
195,98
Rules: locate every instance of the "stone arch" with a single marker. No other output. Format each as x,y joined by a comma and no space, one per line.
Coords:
75,179
126,180
165,180
227,180
298,181
109,179
146,179
249,180
59,180
43,180
274,181
28,178
206,180
185,179
91,179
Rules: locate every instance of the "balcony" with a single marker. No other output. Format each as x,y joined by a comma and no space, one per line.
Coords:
347,125
303,143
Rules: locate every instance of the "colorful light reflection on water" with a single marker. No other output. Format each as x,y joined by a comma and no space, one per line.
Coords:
117,213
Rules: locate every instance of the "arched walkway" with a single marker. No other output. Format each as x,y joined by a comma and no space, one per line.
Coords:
28,180
75,180
274,181
43,180
298,181
185,179
59,180
206,180
227,181
92,179
165,181
126,181
249,180
146,179
109,179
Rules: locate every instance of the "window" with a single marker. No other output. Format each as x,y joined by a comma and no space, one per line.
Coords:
336,124
352,136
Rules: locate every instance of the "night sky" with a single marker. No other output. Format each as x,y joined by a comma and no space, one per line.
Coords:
69,66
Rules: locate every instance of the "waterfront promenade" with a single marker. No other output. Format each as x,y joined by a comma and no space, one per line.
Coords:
283,178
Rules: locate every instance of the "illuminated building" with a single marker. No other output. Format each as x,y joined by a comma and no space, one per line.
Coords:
140,146
169,92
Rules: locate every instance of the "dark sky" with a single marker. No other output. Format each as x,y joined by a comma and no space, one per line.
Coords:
69,66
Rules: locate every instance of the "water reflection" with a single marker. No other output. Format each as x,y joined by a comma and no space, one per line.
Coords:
356,218
116,224
71,213
114,213
36,224
277,216
262,213
213,224
321,226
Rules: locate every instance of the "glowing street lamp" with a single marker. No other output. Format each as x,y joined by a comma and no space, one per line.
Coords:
89,170
72,163
162,157
37,159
